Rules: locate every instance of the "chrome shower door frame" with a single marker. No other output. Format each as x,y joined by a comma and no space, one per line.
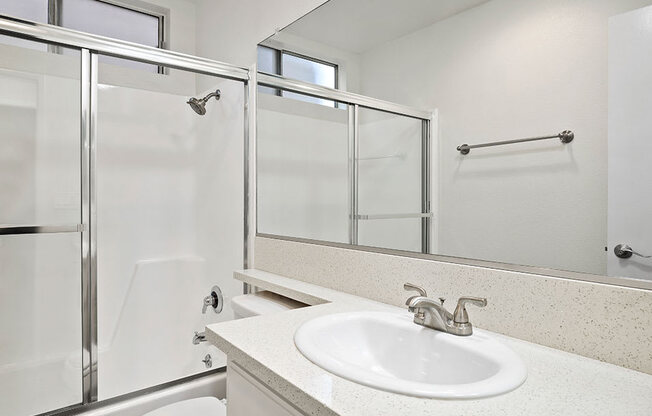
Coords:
91,46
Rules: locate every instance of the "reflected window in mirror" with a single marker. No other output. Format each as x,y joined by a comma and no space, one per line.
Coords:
299,67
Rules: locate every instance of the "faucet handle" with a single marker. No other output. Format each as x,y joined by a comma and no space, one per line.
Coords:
460,316
409,287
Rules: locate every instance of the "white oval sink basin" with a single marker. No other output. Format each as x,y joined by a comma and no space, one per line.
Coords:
390,352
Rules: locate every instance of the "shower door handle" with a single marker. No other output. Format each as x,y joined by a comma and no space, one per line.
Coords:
40,229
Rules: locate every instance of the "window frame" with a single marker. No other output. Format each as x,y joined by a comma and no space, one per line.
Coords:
335,66
55,8
279,64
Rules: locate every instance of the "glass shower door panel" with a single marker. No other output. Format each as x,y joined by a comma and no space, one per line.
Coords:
302,168
40,274
398,234
169,222
40,323
389,180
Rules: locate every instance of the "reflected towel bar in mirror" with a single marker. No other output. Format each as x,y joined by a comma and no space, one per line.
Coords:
392,216
565,136
40,229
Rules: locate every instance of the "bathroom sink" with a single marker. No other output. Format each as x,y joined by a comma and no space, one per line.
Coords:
388,351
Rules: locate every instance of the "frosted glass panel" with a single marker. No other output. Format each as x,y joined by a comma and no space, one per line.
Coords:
40,323
389,163
399,234
39,137
40,274
164,226
389,179
302,169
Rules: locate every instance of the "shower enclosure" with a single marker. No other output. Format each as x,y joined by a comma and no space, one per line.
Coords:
341,167
117,214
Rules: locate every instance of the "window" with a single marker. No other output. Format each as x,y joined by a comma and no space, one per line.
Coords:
34,10
129,20
302,68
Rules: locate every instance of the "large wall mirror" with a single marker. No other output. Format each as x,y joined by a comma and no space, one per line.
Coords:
508,133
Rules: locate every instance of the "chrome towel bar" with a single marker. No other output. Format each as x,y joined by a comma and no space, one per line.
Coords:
565,136
40,229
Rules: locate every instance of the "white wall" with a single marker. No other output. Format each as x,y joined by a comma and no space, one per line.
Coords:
510,69
229,30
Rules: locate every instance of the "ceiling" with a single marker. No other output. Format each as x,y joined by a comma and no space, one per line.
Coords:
360,25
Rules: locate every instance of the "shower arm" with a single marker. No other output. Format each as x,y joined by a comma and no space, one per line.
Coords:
215,94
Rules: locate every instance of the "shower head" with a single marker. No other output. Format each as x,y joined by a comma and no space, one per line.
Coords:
199,104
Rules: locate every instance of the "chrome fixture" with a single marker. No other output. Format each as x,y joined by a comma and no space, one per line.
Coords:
419,289
401,156
624,251
565,136
208,361
393,216
307,88
215,300
433,314
40,229
199,104
198,338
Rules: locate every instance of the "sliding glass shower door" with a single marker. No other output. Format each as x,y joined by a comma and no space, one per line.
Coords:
391,181
40,228
166,216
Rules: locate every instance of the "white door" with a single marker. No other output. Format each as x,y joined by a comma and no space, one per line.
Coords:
630,142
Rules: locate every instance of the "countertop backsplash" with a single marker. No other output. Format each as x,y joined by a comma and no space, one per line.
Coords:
608,323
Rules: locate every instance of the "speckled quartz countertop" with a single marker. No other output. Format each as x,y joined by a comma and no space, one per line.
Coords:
558,383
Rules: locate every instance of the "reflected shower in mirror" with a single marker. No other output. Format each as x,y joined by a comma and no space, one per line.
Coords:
534,156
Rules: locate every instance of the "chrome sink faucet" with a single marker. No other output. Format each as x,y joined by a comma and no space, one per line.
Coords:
432,314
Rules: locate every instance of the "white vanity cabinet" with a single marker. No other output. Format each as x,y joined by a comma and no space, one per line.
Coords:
247,396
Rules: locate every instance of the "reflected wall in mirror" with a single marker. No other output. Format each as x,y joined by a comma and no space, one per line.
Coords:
489,71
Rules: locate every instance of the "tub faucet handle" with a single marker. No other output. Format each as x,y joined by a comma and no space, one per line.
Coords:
215,300
208,301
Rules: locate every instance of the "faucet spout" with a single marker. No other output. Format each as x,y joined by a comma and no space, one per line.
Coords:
433,314
430,313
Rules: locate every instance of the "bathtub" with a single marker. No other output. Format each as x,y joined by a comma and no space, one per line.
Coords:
209,385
